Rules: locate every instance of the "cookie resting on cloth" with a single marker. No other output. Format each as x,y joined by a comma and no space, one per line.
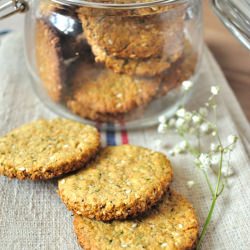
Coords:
44,149
122,181
170,225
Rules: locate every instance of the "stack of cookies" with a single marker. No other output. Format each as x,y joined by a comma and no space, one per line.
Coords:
120,196
122,200
104,65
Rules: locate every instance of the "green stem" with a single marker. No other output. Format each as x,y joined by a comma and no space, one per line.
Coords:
209,183
207,222
211,210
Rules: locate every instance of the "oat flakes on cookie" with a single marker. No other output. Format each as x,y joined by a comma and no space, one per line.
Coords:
130,37
100,94
122,181
148,67
44,149
172,225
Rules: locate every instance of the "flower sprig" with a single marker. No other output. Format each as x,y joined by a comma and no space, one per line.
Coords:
192,127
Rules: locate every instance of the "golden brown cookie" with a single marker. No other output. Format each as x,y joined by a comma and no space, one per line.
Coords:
134,36
122,181
45,149
100,94
171,225
148,67
49,60
175,8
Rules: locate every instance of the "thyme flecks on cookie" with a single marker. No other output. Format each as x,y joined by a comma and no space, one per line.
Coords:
122,181
101,95
171,225
45,149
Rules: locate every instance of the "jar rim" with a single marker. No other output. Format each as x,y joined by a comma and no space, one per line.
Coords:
102,5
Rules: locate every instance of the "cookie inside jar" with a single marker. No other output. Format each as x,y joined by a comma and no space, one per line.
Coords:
113,65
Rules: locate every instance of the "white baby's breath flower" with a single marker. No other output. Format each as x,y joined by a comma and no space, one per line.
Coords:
177,150
204,161
181,112
215,159
227,171
171,122
213,147
183,145
188,116
190,184
203,111
162,128
214,133
179,122
162,119
232,139
171,152
215,90
187,85
196,119
205,127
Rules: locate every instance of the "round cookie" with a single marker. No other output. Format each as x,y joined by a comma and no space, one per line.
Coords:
121,182
141,11
49,60
130,37
171,225
45,149
100,94
147,67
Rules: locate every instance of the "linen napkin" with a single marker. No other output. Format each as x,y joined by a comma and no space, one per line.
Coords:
31,213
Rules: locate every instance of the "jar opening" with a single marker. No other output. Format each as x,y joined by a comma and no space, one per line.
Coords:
119,4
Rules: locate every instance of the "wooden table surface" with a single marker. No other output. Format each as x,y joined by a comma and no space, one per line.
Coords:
233,57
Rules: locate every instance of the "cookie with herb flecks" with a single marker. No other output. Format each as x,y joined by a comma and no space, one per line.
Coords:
130,37
122,181
100,94
147,67
171,225
45,149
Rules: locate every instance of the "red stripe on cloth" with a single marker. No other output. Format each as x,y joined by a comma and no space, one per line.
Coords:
124,135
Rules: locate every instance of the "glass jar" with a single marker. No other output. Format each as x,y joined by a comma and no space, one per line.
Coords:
118,61
113,61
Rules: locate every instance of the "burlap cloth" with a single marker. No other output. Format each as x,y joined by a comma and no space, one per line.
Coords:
32,215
